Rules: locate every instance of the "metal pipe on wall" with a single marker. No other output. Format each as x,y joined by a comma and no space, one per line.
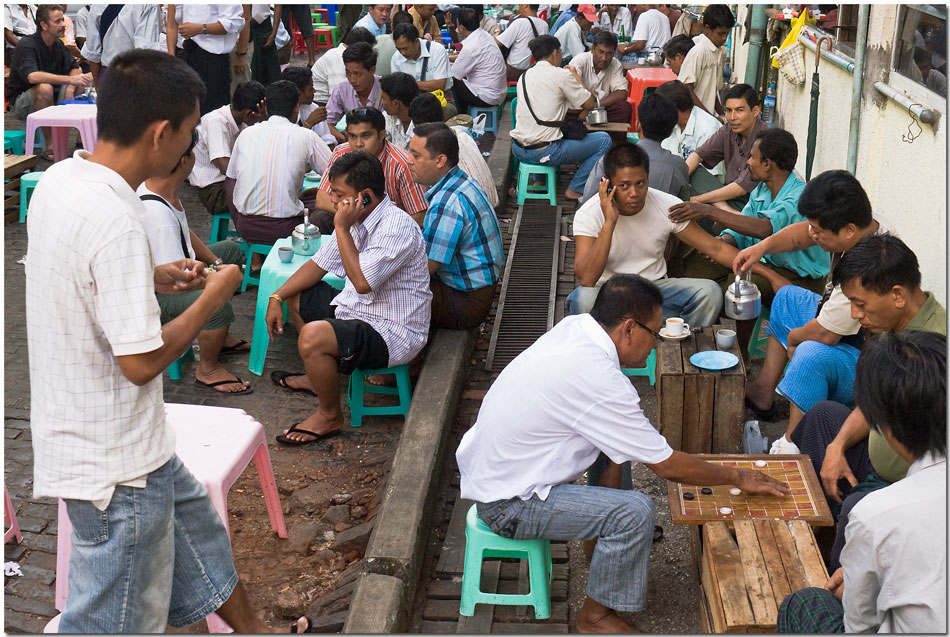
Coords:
857,86
757,27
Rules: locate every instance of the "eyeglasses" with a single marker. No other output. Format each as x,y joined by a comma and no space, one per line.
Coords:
655,334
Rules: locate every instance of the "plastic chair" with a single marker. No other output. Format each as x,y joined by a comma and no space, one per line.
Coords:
359,388
527,191
28,183
648,370
491,117
9,517
7,146
481,543
16,139
249,249
174,370
221,227
60,119
324,38
323,13
216,444
756,344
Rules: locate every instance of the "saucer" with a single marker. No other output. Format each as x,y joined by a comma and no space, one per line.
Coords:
714,360
668,337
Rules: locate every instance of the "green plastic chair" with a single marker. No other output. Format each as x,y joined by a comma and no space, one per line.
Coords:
16,139
28,183
250,249
221,227
358,389
648,370
756,344
481,543
174,370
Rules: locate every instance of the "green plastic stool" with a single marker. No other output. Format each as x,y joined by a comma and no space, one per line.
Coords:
547,191
757,345
632,138
7,145
16,139
249,249
221,227
28,183
648,370
174,370
481,543
359,388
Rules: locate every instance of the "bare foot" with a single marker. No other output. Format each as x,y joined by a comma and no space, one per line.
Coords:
758,397
219,374
573,195
233,342
319,423
597,618
382,380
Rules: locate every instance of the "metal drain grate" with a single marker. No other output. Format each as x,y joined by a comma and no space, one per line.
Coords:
526,304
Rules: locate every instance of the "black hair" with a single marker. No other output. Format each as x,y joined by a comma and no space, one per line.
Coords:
742,92
282,97
677,45
299,75
400,86
779,146
362,53
878,263
359,34
625,156
400,17
366,115
535,7
678,93
191,148
718,15
478,8
144,86
362,170
247,95
920,53
834,199
469,19
604,38
900,385
626,296
657,117
543,46
425,109
43,11
440,140
407,32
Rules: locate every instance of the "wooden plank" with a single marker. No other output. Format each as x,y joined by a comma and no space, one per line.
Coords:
730,399
816,573
669,387
507,614
705,619
558,552
509,571
523,587
14,165
786,548
698,395
452,559
451,589
528,629
711,588
773,561
757,579
727,567
438,628
696,546
481,621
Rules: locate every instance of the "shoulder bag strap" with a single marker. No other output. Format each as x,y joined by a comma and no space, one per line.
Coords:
181,232
524,92
425,61
534,29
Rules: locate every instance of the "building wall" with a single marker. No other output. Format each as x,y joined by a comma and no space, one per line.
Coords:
906,182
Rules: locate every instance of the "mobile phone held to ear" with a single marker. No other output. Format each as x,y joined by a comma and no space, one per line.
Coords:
366,200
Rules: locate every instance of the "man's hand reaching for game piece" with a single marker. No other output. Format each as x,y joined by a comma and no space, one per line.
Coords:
835,468
756,482
835,583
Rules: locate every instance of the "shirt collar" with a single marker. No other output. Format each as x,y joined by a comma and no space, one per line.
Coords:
763,194
703,41
926,461
746,145
600,338
924,314
439,185
91,171
279,120
376,217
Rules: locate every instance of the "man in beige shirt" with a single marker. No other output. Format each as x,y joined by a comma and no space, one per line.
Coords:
702,68
423,18
601,73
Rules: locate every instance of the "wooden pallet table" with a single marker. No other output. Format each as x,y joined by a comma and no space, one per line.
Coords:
700,411
13,167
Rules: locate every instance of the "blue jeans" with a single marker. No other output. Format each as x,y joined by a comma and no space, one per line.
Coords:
568,151
623,520
157,555
697,301
817,371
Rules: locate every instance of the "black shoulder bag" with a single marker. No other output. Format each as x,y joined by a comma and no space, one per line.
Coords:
181,232
572,129
506,51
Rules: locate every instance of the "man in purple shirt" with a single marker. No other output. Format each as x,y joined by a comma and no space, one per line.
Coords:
360,89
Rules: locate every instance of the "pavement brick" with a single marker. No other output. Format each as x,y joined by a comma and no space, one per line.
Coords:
16,622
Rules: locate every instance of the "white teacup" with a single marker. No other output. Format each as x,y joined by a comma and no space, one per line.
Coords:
725,338
286,254
676,326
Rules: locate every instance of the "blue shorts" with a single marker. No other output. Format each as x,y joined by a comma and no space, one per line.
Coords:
157,555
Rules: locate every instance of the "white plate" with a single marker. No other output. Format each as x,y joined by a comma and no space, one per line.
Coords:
673,338
714,360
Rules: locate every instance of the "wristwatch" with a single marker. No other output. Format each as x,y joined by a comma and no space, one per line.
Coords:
204,29
218,262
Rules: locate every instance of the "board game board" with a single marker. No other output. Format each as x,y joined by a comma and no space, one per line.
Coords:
805,502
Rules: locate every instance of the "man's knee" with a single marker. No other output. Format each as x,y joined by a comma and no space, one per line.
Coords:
638,512
581,300
316,338
605,142
42,94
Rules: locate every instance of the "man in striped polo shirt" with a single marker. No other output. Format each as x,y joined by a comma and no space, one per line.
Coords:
461,232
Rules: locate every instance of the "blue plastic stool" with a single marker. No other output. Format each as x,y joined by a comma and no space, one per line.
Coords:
481,543
547,191
28,183
491,117
359,388
221,227
648,370
757,345
16,139
249,249
174,370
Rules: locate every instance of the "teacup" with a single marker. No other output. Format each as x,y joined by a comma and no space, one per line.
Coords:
285,254
725,338
676,326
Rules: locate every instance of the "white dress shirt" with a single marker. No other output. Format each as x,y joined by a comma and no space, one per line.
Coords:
551,412
895,555
700,127
231,17
436,69
393,260
481,66
268,163
517,36
137,26
572,39
654,28
397,135
327,72
90,297
623,20
551,90
217,131
603,82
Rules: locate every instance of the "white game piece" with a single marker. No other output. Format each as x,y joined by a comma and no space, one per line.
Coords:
725,510
760,463
735,491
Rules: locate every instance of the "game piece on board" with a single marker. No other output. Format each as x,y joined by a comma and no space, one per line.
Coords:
688,496
706,491
725,510
760,463
735,491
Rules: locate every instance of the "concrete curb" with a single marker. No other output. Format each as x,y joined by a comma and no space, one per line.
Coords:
387,586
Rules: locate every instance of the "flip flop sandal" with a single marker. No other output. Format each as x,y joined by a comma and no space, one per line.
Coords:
762,414
246,390
279,378
237,348
284,440
293,626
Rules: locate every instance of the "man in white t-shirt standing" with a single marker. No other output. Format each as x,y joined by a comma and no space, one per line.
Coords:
148,548
524,28
548,417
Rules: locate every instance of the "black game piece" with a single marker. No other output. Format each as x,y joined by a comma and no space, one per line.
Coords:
706,491
688,496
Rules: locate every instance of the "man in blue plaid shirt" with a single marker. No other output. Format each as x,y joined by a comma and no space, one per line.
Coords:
460,228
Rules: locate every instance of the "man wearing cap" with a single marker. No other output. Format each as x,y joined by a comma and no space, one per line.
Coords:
572,33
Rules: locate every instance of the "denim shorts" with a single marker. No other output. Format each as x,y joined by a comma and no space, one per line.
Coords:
157,555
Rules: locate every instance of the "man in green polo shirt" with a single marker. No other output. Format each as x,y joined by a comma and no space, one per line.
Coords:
881,278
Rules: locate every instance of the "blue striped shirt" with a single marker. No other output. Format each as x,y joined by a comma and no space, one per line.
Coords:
462,233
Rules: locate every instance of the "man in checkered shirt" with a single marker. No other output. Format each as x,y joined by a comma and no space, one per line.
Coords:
148,548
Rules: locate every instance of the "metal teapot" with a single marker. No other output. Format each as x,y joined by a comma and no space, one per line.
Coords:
305,238
742,300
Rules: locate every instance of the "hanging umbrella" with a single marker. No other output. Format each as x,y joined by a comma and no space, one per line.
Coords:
813,110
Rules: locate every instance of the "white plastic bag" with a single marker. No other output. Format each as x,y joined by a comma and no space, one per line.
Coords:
478,125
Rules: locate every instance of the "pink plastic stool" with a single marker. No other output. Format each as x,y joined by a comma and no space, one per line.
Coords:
60,119
216,444
9,517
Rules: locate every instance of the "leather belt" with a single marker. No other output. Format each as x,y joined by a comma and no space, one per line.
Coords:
532,146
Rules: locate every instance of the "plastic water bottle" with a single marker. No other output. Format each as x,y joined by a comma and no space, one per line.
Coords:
768,105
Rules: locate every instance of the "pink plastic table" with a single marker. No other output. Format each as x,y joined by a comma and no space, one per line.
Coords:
60,119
